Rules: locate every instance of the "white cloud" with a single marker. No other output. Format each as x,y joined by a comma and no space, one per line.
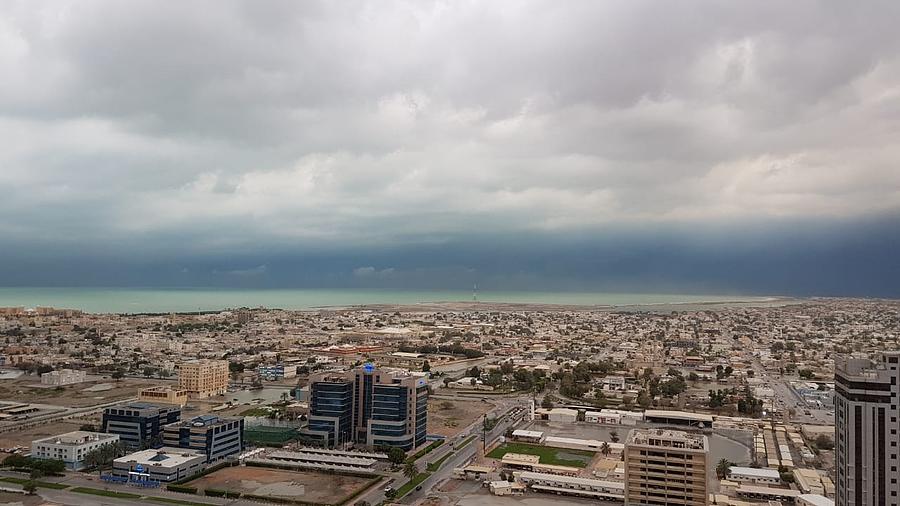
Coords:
396,122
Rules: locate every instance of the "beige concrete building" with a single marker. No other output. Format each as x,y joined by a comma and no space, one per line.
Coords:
666,467
203,378
63,377
164,395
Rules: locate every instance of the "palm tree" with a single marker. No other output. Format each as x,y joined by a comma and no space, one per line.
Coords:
614,436
410,470
722,468
605,449
30,487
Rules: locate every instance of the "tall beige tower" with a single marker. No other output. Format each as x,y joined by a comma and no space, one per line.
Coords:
203,378
666,467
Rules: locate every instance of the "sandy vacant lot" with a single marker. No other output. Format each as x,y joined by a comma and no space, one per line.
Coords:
79,395
448,418
24,500
298,485
25,436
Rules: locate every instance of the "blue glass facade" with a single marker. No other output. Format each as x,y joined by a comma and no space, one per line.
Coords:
368,406
139,425
217,437
330,412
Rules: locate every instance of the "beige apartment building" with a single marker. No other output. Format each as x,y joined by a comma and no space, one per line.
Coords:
203,378
164,395
666,467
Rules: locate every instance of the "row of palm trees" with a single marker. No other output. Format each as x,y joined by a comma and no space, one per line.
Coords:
102,457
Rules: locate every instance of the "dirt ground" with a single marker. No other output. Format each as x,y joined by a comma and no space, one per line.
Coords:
448,418
298,485
22,390
11,498
25,436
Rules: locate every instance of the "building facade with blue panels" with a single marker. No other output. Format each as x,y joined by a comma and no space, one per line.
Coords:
139,424
368,406
217,437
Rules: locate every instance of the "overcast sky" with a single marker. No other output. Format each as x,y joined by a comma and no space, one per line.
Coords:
679,146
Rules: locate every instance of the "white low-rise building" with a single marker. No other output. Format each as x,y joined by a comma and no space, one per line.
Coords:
572,485
613,383
625,417
593,445
163,465
70,447
759,476
601,417
814,500
506,488
528,436
562,415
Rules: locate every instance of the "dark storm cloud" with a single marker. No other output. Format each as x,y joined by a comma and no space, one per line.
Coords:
208,139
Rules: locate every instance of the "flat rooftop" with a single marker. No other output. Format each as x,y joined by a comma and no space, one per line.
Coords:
666,438
760,472
573,480
677,415
527,433
77,437
165,457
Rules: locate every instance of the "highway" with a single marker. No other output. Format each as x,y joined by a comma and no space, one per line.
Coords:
787,398
467,453
502,409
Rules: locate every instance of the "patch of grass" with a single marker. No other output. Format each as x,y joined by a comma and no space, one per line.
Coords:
257,411
105,493
411,484
466,441
547,455
40,484
434,466
425,451
166,500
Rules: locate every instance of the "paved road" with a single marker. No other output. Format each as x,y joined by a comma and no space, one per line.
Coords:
84,480
502,407
786,398
64,414
469,451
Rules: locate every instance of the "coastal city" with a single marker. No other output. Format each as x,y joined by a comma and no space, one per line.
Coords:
781,401
449,253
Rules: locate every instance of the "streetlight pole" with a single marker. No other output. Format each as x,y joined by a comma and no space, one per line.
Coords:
484,435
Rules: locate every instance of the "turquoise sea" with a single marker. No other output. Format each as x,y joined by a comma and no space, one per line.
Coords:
156,300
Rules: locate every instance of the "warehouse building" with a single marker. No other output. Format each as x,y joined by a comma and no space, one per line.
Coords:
571,485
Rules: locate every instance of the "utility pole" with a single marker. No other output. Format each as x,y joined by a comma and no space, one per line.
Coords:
484,435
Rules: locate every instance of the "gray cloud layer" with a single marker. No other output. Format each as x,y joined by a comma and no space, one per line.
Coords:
154,128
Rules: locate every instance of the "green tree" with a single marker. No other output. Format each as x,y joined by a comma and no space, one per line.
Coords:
426,367
644,399
823,442
605,449
722,468
614,436
410,470
547,402
396,456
